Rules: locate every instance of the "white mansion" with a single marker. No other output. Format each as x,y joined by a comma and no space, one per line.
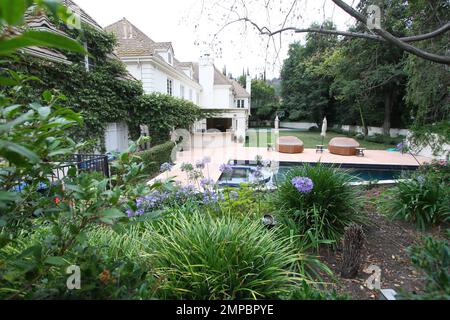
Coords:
154,64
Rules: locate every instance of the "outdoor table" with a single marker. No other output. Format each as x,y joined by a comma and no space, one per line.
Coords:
360,152
319,148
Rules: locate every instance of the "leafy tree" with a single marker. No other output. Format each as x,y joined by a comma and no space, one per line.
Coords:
305,93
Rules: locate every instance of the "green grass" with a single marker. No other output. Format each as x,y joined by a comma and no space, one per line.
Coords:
311,139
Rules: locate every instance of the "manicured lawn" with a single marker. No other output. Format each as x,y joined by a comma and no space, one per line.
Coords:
311,139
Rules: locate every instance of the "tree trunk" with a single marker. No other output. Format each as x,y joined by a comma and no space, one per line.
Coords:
388,105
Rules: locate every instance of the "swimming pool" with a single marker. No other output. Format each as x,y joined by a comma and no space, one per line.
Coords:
243,170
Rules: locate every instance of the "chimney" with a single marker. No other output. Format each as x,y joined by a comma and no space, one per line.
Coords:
248,85
206,80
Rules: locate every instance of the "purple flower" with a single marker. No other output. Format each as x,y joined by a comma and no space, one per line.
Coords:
211,197
421,180
200,164
185,192
401,146
206,183
303,184
266,163
130,213
257,174
226,168
233,195
167,166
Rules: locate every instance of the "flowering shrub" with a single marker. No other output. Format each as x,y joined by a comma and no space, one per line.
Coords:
166,166
226,168
319,199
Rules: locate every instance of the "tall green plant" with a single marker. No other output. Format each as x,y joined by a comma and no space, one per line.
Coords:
423,200
326,209
202,258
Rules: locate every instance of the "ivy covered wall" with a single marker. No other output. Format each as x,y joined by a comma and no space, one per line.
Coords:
106,93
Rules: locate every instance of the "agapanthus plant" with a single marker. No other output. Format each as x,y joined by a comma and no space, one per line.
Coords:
303,184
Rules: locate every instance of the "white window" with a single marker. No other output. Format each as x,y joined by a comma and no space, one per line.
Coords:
240,103
169,87
182,91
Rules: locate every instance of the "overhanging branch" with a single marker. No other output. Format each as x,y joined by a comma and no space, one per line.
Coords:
392,39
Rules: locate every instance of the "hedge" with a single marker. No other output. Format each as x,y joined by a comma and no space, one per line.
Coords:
154,157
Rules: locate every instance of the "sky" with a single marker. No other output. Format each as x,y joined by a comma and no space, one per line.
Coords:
192,25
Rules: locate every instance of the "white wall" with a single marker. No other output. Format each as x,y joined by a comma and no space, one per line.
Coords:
155,80
116,137
223,98
375,130
206,80
297,125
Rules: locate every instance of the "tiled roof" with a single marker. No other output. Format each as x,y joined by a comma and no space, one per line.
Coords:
83,15
239,91
133,42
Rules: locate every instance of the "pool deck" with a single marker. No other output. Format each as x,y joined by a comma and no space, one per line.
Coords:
234,151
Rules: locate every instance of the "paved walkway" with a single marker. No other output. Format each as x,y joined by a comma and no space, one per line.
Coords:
234,151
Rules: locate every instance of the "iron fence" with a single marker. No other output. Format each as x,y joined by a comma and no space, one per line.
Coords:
82,163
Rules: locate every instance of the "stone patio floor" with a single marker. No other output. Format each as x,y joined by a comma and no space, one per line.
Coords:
235,151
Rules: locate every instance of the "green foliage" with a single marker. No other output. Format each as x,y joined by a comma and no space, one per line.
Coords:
12,14
372,83
264,101
102,95
200,258
112,266
307,292
323,213
244,202
162,113
153,158
422,199
433,259
305,94
427,93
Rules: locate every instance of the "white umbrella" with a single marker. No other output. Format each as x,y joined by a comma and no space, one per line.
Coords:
324,129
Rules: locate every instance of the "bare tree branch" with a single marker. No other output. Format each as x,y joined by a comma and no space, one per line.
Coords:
392,39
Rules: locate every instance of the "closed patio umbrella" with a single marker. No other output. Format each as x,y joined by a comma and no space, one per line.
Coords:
324,129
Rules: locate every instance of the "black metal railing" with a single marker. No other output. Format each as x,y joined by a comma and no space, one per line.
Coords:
82,163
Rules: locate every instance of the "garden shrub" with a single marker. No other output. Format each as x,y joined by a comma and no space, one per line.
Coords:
423,200
154,157
320,200
307,292
432,257
204,258
111,264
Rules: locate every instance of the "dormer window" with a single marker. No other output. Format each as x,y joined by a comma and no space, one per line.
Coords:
169,57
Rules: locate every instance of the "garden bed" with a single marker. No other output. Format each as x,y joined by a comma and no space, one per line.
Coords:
386,244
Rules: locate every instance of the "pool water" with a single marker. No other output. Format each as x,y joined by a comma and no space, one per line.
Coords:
242,172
